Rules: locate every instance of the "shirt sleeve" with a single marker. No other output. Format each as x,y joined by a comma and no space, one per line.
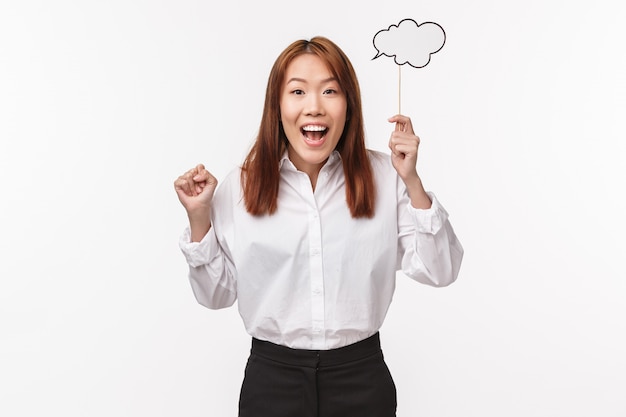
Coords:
211,270
430,251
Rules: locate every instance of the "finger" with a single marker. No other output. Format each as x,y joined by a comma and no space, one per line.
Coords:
204,179
394,150
198,172
193,178
400,150
398,137
400,127
393,146
194,181
187,183
403,123
405,149
181,185
402,146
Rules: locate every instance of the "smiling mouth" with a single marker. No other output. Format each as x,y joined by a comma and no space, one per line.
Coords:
314,133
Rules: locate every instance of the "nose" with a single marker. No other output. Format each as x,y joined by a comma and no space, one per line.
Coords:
313,106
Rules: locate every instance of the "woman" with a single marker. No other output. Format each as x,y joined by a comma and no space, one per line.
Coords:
308,235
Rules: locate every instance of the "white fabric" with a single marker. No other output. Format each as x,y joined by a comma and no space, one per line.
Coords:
311,276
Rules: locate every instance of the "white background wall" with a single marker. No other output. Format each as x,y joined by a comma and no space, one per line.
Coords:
522,119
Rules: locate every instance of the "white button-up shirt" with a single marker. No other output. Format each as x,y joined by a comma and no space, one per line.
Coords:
310,276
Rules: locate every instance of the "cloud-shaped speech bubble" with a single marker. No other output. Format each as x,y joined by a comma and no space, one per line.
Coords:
409,42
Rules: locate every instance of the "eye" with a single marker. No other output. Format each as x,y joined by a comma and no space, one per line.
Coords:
297,92
330,91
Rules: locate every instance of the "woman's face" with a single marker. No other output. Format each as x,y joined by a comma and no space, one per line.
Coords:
313,112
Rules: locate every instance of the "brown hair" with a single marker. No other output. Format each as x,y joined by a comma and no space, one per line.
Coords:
260,174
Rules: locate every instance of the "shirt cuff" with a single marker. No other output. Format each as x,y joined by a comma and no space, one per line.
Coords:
198,253
429,220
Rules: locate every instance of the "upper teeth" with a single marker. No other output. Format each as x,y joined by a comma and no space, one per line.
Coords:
314,128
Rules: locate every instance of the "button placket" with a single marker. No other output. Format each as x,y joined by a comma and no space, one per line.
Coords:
316,279
316,269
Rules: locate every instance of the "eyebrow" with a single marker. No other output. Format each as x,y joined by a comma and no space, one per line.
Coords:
302,80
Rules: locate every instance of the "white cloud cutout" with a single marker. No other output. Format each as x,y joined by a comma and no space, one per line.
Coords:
409,42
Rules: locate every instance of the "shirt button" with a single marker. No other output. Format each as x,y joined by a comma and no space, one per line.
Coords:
316,330
317,290
315,252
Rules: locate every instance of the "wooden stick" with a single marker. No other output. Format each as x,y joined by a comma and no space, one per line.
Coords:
399,89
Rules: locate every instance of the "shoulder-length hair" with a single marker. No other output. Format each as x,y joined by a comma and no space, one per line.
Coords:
260,174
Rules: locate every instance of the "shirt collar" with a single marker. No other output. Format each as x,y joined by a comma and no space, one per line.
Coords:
333,159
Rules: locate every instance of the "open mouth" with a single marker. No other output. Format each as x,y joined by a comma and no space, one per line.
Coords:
314,133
